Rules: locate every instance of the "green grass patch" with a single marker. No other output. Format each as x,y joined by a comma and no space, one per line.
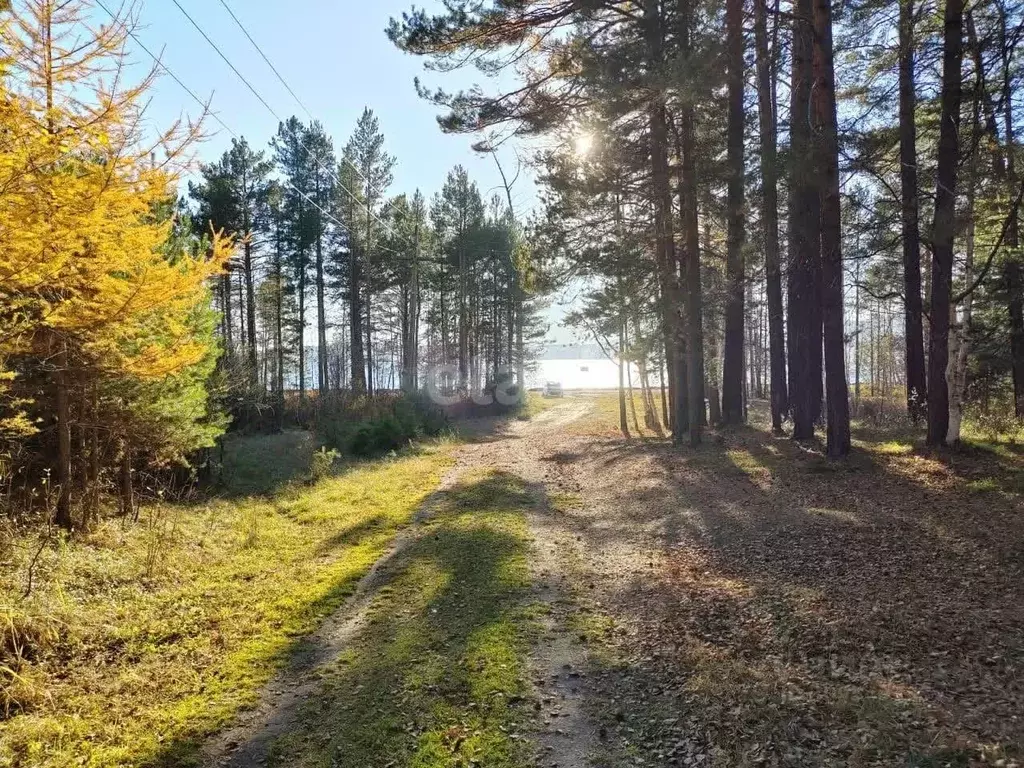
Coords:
891,447
984,485
438,677
139,641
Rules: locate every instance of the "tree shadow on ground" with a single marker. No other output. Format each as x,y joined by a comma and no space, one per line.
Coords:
431,663
803,612
436,675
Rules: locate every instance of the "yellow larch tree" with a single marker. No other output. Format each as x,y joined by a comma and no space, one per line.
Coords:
92,294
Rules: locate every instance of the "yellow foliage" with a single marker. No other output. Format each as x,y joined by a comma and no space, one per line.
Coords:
83,245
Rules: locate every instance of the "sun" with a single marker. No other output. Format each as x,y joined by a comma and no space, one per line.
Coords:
583,144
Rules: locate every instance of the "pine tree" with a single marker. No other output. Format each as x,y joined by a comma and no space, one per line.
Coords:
944,222
458,215
732,367
300,230
233,199
365,156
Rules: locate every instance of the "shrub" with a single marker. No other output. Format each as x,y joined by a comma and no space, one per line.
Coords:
371,426
320,467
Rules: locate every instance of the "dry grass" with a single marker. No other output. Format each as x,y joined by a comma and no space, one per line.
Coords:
603,418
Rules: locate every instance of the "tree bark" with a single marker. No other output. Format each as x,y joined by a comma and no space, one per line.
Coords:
732,364
409,364
301,331
623,419
943,226
770,215
691,241
804,295
960,347
323,385
1014,270
913,315
368,302
836,387
225,298
663,215
279,328
355,297
250,286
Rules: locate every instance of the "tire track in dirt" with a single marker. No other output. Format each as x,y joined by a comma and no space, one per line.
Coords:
565,736
248,742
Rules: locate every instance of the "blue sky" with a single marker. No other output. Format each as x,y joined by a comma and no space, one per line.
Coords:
335,56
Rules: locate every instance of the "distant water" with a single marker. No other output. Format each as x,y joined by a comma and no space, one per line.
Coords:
600,373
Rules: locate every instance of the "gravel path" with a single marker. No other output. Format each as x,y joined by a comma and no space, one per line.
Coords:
566,738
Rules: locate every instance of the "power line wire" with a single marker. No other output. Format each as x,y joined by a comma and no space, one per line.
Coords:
227,60
270,109
280,77
269,63
205,106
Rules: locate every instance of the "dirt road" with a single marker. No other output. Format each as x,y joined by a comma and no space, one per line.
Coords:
529,451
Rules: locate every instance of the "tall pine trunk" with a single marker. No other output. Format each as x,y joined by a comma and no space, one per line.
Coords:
804,316
225,302
323,384
279,329
770,215
663,214
301,326
250,311
355,295
836,388
623,418
960,346
732,364
943,227
409,363
248,270
368,301
1014,270
917,392
691,243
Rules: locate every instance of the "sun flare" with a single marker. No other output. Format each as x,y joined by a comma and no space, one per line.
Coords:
583,143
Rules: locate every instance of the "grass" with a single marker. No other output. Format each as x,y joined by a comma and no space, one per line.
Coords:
603,418
438,676
139,641
535,404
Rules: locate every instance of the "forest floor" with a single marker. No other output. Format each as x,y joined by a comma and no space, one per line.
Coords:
544,593
748,603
